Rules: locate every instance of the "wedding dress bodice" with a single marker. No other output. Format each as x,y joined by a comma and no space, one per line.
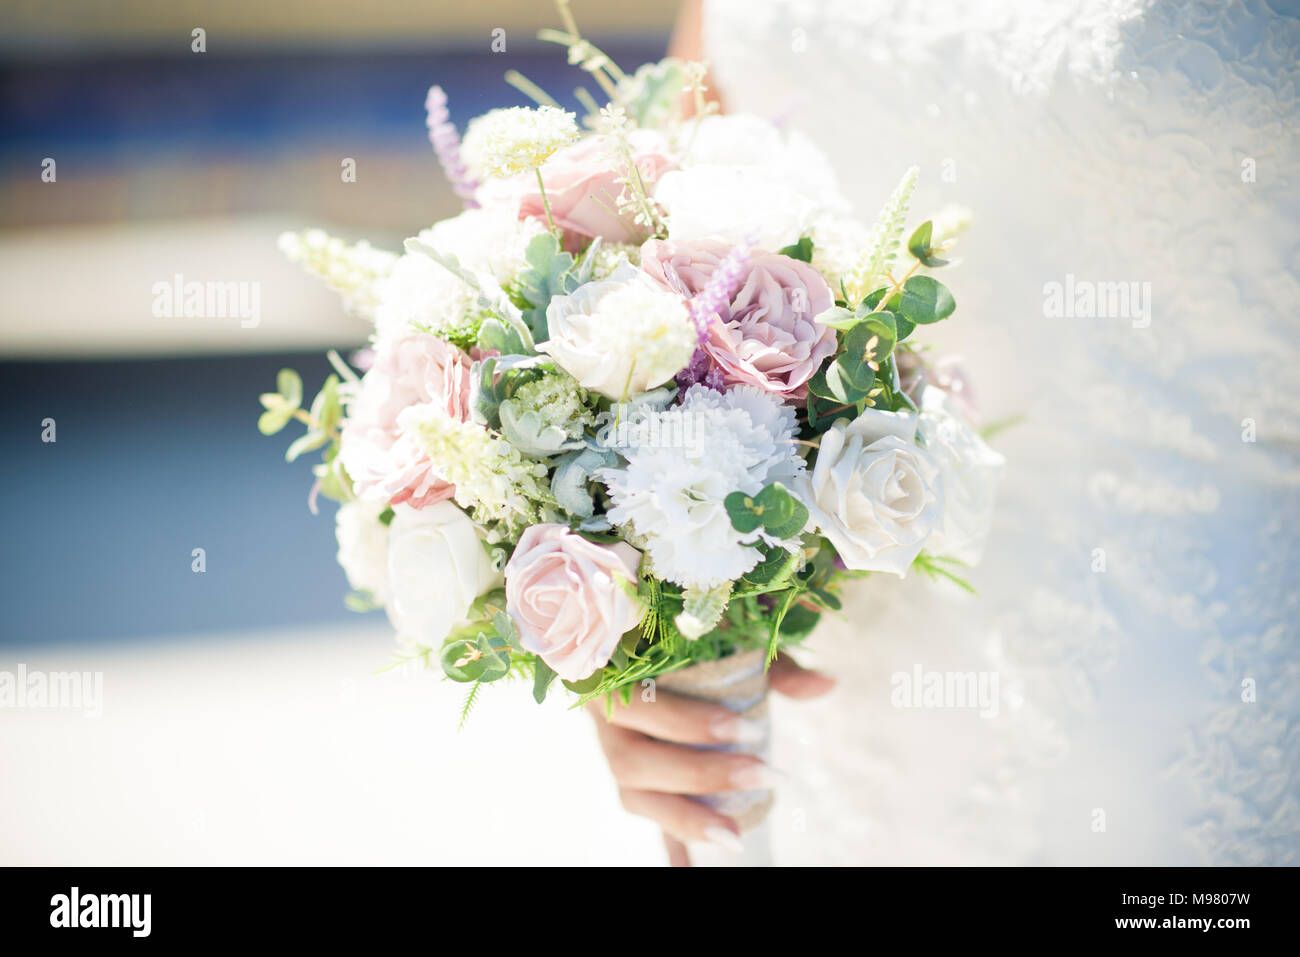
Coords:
1139,595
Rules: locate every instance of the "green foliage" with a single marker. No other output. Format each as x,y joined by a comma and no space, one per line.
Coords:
932,567
919,246
773,509
802,250
925,300
544,279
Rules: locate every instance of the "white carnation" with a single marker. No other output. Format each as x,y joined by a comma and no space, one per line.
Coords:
620,336
670,496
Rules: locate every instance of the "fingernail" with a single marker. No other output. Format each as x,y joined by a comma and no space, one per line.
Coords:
734,729
753,777
724,839
725,728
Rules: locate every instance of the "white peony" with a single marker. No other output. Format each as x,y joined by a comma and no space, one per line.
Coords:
437,566
621,336
670,496
735,203
873,492
421,291
363,547
971,472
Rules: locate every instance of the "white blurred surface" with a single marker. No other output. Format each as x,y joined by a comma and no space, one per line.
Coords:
88,291
285,748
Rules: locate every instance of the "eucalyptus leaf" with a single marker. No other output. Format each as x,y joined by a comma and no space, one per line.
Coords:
289,384
925,300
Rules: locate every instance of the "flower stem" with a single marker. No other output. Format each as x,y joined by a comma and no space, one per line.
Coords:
546,204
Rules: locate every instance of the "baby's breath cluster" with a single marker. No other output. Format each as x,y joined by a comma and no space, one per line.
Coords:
515,140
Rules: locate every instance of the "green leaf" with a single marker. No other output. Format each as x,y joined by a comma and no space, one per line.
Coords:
774,509
925,300
785,515
475,659
325,408
305,443
802,250
837,317
273,420
745,516
289,384
798,623
542,678
919,246
495,334
542,281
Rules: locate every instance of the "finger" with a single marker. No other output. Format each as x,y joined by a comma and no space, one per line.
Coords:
677,853
643,763
671,717
682,820
794,681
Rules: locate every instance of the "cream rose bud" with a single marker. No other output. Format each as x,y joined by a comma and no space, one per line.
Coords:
970,471
873,492
363,547
437,566
621,336
568,598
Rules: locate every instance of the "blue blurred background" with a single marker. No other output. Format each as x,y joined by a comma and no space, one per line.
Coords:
174,161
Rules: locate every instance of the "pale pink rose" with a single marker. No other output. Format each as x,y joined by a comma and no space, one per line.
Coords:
565,597
581,188
383,463
766,336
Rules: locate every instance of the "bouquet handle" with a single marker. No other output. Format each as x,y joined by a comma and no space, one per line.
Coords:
739,683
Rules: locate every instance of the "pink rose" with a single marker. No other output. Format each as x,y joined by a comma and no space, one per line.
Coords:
563,594
581,188
382,462
767,335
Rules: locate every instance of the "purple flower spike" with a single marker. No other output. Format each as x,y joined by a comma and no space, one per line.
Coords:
446,143
724,282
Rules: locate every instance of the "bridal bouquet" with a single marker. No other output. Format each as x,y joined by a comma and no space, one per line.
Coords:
645,405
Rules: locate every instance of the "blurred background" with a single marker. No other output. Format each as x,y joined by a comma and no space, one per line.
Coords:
241,722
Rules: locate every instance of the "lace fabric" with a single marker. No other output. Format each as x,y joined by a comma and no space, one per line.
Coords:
1138,599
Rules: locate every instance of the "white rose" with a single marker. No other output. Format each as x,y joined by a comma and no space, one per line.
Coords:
363,547
873,492
736,204
437,566
971,472
621,336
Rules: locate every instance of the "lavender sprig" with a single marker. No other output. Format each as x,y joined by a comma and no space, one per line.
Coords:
446,143
709,302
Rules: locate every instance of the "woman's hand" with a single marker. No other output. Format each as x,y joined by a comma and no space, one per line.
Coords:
647,746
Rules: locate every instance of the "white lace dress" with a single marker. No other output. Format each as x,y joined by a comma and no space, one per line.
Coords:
1139,597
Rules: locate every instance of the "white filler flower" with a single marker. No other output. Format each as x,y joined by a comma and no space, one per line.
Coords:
515,140
621,336
671,494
